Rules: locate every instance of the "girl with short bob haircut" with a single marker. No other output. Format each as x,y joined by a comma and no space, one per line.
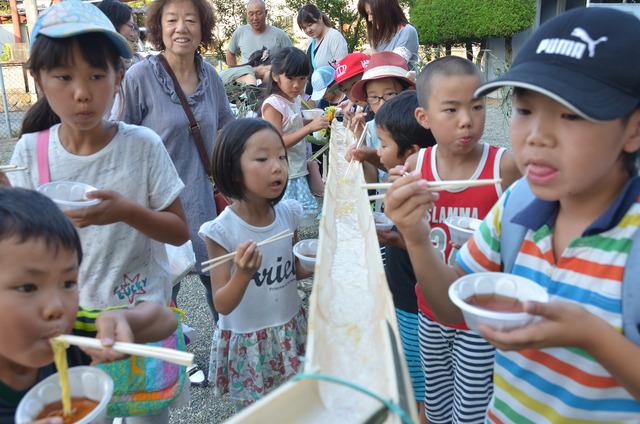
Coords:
262,328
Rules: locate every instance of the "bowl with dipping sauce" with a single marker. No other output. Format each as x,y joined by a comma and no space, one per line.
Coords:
462,228
310,114
305,251
495,299
91,390
383,223
69,194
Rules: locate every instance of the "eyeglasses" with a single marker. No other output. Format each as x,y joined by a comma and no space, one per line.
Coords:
374,100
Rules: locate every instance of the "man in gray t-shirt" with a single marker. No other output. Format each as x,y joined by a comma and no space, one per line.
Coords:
255,35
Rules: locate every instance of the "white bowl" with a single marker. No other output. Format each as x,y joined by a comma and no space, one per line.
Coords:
88,382
303,249
383,223
69,194
508,285
310,114
461,228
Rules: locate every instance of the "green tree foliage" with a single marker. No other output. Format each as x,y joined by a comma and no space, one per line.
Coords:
343,16
447,22
229,16
4,7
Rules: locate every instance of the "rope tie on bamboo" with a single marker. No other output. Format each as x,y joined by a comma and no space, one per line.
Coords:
391,406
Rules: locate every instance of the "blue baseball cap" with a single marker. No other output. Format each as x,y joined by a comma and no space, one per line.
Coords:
321,80
585,59
74,17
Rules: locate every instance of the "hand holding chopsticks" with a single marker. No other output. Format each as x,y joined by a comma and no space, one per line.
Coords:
163,353
212,263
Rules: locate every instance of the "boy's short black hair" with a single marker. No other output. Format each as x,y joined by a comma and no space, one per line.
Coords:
397,116
225,162
447,66
27,215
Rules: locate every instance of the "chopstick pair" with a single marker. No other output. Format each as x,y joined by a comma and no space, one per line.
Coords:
317,154
364,132
212,263
169,355
434,185
12,168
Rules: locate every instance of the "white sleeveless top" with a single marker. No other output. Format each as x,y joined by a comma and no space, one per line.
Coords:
271,298
291,122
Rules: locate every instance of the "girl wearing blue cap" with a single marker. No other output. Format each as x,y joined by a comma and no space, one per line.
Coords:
75,60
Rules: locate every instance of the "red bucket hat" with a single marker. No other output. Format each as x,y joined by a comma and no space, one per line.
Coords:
383,65
350,66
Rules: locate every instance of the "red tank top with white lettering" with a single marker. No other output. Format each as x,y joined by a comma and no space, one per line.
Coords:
474,202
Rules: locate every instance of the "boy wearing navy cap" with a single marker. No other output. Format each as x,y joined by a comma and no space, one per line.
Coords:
575,133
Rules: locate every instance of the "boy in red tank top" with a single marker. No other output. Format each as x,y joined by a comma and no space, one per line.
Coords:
457,363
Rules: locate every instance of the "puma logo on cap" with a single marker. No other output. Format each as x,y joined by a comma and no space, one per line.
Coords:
571,48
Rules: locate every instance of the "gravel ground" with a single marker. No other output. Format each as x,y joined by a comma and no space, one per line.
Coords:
204,408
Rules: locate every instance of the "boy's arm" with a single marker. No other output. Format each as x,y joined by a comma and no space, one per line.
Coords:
166,226
565,324
407,204
509,172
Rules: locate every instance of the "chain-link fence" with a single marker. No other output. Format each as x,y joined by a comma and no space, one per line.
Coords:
17,89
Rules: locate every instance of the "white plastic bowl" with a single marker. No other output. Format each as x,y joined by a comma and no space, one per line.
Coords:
383,223
88,382
69,194
500,283
461,228
303,249
310,114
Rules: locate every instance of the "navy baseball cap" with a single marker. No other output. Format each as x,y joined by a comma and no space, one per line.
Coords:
74,17
587,59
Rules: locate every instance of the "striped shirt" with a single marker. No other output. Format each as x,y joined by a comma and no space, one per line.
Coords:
562,385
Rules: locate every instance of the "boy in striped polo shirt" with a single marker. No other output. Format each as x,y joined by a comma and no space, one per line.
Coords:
575,133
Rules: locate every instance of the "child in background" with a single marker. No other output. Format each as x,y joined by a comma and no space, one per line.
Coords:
578,154
78,69
325,90
40,255
457,363
262,328
289,73
386,76
400,137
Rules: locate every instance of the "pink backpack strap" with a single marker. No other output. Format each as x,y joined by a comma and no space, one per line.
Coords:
42,156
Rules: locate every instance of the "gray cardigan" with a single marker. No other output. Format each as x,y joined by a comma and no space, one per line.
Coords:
150,101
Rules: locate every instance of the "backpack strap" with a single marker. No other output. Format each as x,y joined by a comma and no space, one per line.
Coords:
631,293
512,234
42,157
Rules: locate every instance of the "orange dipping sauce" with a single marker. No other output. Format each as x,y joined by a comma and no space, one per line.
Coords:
80,407
495,302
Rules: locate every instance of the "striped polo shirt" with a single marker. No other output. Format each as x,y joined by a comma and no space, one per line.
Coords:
562,385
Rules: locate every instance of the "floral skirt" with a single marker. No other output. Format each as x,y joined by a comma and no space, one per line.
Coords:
298,189
249,365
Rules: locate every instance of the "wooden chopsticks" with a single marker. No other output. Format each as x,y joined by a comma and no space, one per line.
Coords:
434,185
212,263
170,355
12,168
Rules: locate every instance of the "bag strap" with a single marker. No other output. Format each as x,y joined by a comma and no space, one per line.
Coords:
194,127
631,293
512,234
42,156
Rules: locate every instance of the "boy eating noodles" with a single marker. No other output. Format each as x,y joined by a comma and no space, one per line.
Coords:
40,255
575,134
